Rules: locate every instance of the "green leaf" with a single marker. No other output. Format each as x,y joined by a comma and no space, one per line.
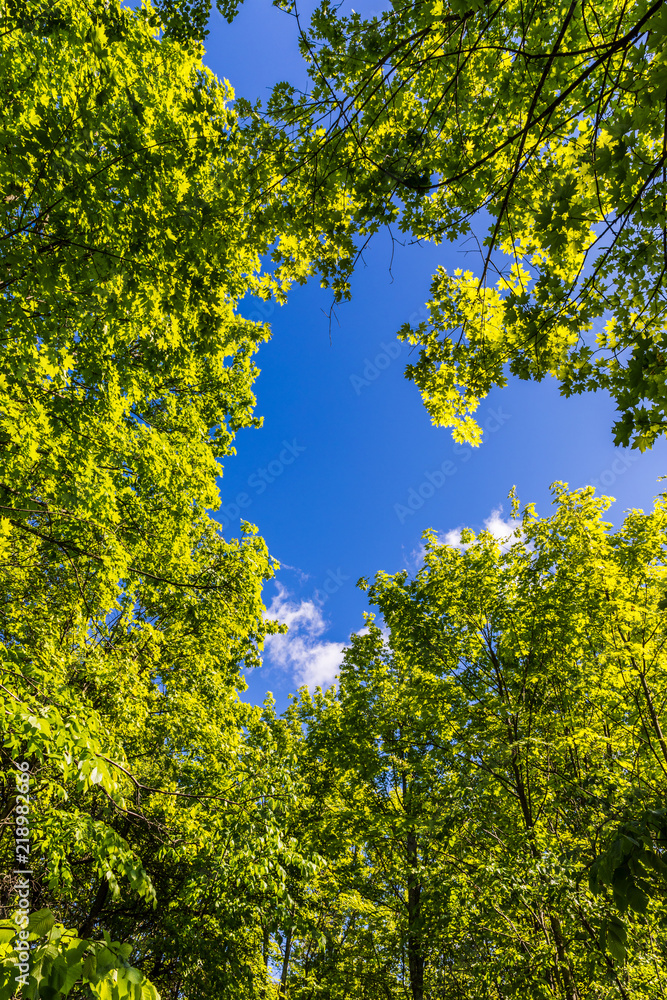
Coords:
40,922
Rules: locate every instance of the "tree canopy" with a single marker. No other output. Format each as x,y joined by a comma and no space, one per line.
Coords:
132,227
478,810
543,124
478,776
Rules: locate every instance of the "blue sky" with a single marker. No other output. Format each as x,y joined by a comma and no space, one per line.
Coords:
348,471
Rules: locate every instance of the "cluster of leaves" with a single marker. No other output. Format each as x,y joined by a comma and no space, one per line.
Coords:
136,213
159,816
61,961
492,755
479,811
548,120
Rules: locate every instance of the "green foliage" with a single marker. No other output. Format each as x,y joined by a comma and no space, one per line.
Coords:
61,961
491,752
127,371
187,20
159,810
479,811
549,122
184,20
134,222
633,865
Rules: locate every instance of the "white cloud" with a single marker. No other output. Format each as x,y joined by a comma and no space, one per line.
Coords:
301,651
301,574
451,538
501,528
316,665
306,615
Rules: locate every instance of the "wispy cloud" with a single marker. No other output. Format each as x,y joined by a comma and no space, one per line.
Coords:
310,660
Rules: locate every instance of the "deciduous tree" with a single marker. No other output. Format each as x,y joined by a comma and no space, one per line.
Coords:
490,765
544,125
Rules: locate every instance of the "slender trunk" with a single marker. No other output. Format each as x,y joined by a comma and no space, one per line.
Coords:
571,991
97,907
415,954
265,959
414,943
654,716
283,975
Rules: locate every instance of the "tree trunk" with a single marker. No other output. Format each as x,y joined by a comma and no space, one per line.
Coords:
86,927
283,976
415,954
571,991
